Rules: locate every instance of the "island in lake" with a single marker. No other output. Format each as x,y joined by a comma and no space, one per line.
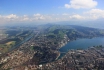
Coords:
40,47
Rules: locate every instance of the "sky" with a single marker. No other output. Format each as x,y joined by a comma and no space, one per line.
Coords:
49,11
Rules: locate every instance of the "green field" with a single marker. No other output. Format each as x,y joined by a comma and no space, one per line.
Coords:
5,47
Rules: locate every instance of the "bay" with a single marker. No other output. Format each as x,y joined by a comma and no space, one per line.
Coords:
81,44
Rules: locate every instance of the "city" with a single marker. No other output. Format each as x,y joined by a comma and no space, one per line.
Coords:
41,51
51,34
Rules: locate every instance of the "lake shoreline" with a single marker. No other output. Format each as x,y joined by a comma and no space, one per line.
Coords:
65,44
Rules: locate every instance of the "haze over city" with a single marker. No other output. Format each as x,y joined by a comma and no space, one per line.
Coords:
15,12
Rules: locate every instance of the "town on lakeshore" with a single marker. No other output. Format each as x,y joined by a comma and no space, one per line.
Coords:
51,34
37,48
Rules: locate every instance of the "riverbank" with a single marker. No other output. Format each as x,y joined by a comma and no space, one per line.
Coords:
25,40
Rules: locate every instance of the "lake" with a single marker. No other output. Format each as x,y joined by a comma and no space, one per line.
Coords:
81,44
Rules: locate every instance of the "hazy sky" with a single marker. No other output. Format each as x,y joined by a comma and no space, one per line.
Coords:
29,11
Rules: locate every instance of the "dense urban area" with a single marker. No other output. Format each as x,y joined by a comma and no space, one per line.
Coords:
37,48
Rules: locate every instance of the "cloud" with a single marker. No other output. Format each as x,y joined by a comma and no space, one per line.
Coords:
25,18
88,15
77,4
11,16
8,18
95,13
39,17
76,16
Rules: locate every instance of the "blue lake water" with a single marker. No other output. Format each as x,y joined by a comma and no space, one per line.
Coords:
82,44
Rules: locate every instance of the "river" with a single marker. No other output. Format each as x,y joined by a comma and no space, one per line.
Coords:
25,40
81,44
